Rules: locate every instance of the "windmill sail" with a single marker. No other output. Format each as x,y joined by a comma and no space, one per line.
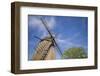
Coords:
45,25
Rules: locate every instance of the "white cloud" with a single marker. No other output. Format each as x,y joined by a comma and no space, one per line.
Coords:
34,22
44,34
67,42
51,22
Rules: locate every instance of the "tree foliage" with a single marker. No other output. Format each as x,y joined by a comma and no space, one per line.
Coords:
75,52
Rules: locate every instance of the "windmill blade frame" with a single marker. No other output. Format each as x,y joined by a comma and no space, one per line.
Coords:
45,24
56,45
37,38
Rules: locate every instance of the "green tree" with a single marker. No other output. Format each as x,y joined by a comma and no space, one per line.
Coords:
76,52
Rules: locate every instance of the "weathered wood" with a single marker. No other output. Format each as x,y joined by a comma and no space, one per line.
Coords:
45,50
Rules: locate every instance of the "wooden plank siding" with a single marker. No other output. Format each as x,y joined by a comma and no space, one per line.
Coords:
45,50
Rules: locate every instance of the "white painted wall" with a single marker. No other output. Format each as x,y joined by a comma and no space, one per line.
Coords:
5,42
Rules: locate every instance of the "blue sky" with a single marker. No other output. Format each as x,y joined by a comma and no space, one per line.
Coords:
69,32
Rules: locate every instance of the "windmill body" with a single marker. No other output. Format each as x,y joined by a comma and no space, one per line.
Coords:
45,50
46,47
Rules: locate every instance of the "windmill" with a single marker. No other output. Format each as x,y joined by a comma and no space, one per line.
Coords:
46,47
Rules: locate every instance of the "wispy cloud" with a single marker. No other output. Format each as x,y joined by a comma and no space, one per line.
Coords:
61,39
51,22
35,22
68,42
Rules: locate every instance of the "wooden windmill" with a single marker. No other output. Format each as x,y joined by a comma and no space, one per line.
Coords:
46,47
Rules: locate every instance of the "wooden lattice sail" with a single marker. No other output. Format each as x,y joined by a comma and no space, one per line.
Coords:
45,50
